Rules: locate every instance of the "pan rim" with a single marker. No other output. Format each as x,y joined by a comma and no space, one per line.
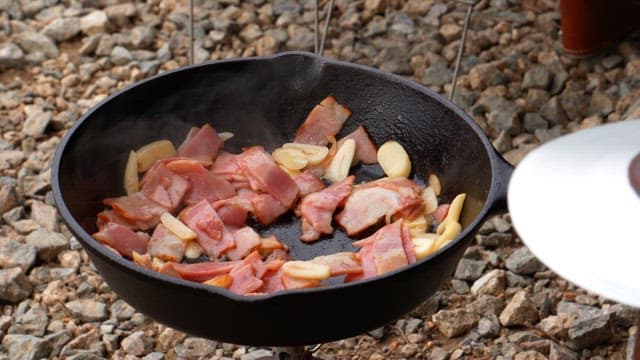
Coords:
141,272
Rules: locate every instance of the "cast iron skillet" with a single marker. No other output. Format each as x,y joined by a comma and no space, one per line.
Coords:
263,101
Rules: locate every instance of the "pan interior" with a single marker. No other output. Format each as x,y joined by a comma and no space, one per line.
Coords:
263,102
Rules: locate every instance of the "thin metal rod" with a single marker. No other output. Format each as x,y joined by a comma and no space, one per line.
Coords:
326,27
460,51
317,27
191,59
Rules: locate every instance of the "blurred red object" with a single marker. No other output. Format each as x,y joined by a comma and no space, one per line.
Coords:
589,26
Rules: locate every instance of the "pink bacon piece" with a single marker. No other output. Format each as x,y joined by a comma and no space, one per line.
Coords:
246,240
212,235
204,184
265,176
370,202
204,271
142,212
201,144
165,245
308,183
366,151
164,186
326,119
317,209
122,239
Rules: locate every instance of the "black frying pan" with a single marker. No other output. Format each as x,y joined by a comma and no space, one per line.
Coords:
263,101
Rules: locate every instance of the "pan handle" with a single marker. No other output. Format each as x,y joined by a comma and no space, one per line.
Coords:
501,170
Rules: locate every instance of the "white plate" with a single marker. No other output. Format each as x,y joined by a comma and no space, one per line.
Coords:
573,205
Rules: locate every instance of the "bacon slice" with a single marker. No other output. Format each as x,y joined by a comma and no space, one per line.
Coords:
109,216
324,120
317,209
164,186
265,176
213,236
204,271
407,244
246,275
246,240
340,263
272,281
366,151
202,144
383,251
266,208
370,202
308,183
226,167
137,209
166,245
204,184
441,212
122,239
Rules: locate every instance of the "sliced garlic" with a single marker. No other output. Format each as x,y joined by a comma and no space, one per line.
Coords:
156,264
341,163
450,231
131,181
313,153
177,227
290,158
434,182
424,244
394,160
455,209
291,173
193,250
430,200
225,135
223,281
306,270
417,225
152,152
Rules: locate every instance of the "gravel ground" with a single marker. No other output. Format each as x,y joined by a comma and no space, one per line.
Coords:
58,58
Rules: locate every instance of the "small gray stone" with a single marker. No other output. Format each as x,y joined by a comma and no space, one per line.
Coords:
33,322
519,311
482,76
282,6
631,343
579,311
555,325
402,24
57,340
121,310
491,283
120,56
169,338
13,253
377,333
487,305
437,75
600,104
522,261
32,41
553,112
89,45
623,315
537,77
153,356
62,29
469,269
142,37
257,354
88,310
459,286
196,347
558,352
514,280
37,120
377,26
409,350
14,285
454,323
489,327
533,122
412,325
121,13
433,16
439,353
137,344
26,347
48,243
45,215
95,22
591,332
11,55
